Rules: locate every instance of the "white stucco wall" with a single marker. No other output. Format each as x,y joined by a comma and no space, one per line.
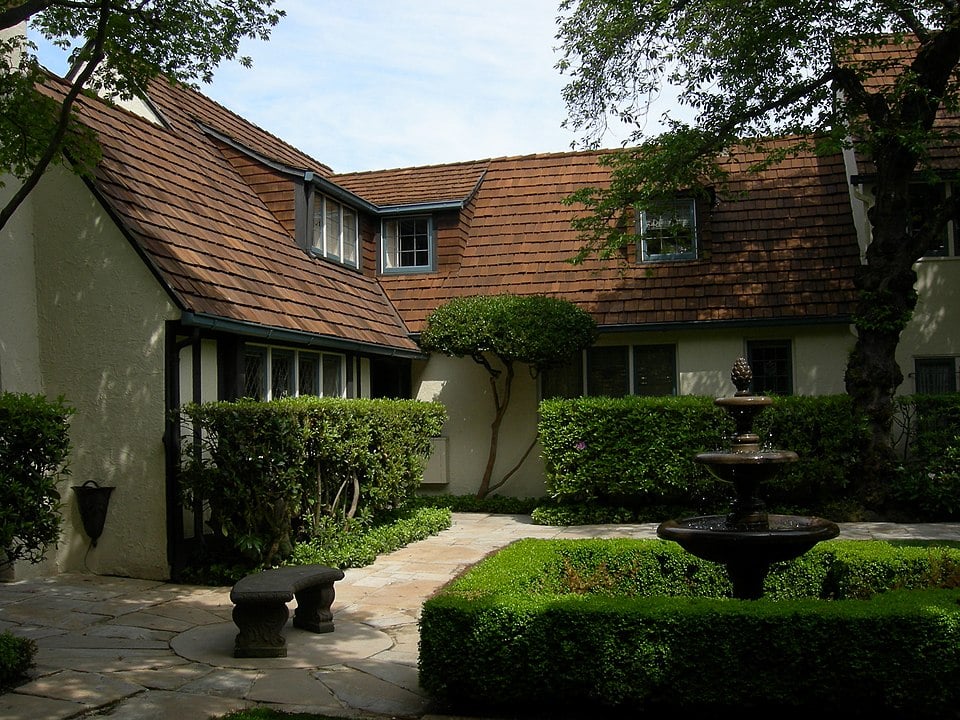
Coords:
704,361
101,345
19,342
934,329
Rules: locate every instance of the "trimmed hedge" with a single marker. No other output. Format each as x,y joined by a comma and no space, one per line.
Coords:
637,624
632,450
271,472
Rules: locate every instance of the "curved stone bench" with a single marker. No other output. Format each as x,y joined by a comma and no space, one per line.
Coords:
260,607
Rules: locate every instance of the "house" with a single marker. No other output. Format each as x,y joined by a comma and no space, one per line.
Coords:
208,259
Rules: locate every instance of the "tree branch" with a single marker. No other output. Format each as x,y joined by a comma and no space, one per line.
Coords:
66,109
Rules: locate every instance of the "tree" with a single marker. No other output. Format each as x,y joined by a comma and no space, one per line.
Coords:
118,45
498,331
746,70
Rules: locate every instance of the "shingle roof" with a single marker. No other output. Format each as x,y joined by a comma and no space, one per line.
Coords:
411,186
886,60
212,240
784,251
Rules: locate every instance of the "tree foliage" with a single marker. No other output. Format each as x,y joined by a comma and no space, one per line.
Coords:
829,74
116,46
498,331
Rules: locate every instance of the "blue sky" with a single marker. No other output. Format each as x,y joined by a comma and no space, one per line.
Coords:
374,84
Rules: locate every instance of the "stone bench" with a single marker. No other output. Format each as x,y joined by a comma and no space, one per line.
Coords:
260,607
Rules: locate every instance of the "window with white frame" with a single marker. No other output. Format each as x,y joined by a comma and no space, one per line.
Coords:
271,373
668,230
335,231
407,244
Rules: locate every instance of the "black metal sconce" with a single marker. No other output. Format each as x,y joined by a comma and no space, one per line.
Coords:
92,500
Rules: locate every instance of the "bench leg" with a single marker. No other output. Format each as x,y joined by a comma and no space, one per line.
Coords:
261,629
313,609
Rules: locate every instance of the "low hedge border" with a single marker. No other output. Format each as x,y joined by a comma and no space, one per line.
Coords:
622,641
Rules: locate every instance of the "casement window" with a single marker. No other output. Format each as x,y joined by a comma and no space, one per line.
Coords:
934,376
924,198
271,373
772,364
407,244
614,371
668,231
335,231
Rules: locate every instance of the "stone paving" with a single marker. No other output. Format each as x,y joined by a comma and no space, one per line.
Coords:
131,649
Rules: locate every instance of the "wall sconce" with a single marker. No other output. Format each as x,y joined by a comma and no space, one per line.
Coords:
92,500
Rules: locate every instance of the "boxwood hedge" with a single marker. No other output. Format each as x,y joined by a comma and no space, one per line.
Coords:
601,625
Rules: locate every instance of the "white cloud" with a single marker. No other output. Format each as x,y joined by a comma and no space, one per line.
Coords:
372,84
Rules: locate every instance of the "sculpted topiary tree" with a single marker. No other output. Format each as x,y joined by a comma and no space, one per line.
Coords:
498,331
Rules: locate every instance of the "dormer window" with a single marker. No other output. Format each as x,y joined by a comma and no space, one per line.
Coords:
668,231
335,231
407,244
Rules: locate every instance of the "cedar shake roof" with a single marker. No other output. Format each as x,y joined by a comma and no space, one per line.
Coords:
886,62
412,186
212,240
779,247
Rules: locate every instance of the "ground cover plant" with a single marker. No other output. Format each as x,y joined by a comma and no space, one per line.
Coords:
626,625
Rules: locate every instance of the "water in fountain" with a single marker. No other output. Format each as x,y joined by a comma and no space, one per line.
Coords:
747,540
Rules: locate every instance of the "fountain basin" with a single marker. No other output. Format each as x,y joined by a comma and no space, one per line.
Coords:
748,552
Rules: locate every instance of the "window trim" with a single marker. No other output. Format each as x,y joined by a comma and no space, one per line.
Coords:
936,359
642,232
392,269
318,231
266,352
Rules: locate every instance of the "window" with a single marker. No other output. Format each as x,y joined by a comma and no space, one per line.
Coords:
772,365
407,244
271,373
608,372
669,230
614,371
654,370
335,231
933,376
924,198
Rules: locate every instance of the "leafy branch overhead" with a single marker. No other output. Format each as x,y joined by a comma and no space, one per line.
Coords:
115,48
775,78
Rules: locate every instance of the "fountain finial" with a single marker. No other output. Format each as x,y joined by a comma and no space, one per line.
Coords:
741,375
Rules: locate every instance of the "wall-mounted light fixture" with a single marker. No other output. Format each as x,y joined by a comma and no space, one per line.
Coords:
92,500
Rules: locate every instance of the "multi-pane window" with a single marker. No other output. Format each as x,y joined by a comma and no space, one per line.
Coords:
933,376
614,371
772,364
271,373
407,244
335,230
668,230
654,370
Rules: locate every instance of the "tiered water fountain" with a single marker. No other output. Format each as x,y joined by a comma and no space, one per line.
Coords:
747,540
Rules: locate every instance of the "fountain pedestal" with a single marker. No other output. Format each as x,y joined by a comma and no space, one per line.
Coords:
747,540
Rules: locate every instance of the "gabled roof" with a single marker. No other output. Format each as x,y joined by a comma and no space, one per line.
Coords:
779,247
451,183
211,240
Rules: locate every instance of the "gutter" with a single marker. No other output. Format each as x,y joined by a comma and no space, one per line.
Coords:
297,337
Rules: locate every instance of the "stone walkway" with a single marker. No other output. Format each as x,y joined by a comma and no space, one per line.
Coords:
143,650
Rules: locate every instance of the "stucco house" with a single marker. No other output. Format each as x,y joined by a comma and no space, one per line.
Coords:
208,259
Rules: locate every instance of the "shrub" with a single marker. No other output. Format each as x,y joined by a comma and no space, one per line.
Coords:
635,625
16,658
274,472
34,446
632,451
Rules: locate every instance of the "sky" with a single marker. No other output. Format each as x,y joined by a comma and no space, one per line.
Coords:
374,84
